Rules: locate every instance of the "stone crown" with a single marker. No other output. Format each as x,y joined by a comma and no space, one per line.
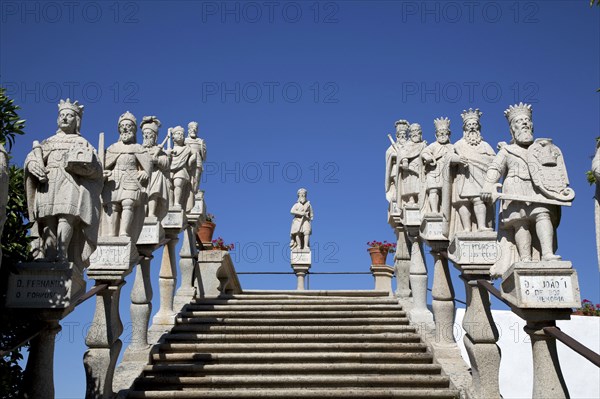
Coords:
471,114
518,110
73,106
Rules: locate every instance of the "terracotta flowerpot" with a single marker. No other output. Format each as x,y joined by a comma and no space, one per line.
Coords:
378,256
205,232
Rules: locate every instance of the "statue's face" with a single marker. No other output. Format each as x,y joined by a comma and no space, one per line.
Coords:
471,126
443,136
302,198
193,131
415,135
149,138
127,131
178,137
522,129
401,134
67,121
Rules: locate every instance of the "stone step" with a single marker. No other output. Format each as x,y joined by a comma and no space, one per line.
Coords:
287,368
332,329
292,314
311,393
387,347
292,307
295,381
311,293
308,337
287,301
419,356
189,317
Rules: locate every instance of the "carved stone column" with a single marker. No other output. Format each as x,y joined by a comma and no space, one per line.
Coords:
548,380
402,264
112,261
188,256
443,301
38,380
167,280
418,283
103,343
141,304
473,254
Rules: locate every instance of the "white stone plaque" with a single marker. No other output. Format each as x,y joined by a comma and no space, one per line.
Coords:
300,258
34,287
150,234
173,220
412,217
477,252
550,291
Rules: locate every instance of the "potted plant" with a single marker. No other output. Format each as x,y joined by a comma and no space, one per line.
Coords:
206,229
588,309
379,250
219,245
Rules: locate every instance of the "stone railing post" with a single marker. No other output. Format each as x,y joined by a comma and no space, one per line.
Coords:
188,256
301,260
419,313
141,304
217,275
383,274
541,293
401,257
38,379
432,232
112,261
167,280
473,254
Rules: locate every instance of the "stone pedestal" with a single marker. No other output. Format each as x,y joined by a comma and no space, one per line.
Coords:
167,280
419,314
301,260
217,276
152,232
542,285
433,232
174,219
188,256
44,285
38,379
401,256
541,293
474,254
383,277
112,261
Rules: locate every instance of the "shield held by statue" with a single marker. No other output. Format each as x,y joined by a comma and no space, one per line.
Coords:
548,171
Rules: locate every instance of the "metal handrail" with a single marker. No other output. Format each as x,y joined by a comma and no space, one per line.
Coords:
551,331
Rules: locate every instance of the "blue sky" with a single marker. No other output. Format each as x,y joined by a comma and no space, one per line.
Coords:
303,94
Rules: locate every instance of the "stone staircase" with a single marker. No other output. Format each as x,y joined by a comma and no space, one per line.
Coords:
293,344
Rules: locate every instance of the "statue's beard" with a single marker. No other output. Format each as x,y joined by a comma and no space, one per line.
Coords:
148,143
473,138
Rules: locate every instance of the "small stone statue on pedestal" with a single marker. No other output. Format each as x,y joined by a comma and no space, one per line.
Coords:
301,224
63,181
199,147
300,237
158,186
472,157
183,171
391,165
535,184
127,169
436,162
411,166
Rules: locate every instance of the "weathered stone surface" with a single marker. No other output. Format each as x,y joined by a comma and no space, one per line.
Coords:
44,285
113,258
536,285
477,248
217,274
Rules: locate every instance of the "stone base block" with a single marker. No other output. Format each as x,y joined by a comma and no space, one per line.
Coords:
301,257
542,285
152,232
475,251
434,227
174,219
113,258
383,277
411,216
44,285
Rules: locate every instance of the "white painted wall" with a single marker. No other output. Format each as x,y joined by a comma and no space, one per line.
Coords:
516,369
